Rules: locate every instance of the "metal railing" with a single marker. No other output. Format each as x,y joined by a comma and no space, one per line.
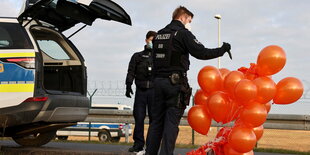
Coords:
274,121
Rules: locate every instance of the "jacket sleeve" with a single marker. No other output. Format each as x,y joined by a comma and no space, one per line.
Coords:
131,70
198,50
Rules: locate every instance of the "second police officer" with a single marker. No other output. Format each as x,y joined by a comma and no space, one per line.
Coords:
140,69
172,47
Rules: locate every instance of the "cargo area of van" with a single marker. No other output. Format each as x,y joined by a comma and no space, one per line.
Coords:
62,67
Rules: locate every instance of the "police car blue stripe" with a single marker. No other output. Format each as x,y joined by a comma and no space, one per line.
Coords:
13,72
96,125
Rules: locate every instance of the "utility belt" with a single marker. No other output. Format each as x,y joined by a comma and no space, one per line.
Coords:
169,74
185,90
144,84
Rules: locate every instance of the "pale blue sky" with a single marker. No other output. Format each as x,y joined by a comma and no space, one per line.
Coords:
247,25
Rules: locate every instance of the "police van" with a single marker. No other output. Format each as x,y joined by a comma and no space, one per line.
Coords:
43,78
106,132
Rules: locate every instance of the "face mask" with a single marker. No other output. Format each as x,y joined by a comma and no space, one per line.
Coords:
149,45
188,26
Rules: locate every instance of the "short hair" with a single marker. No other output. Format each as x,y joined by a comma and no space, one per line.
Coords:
180,11
150,34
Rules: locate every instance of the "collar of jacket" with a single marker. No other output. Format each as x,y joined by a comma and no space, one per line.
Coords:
147,50
176,24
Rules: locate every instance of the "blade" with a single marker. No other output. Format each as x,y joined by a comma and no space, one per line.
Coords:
230,56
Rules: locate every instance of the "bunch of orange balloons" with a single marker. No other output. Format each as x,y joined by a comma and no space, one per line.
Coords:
244,96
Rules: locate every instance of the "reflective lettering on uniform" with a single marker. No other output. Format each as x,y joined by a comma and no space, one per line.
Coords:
197,42
145,56
160,45
163,36
160,55
1,68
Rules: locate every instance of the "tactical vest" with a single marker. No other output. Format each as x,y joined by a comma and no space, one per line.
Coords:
166,58
144,67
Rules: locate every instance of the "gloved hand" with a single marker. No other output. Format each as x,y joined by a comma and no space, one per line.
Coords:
226,48
128,91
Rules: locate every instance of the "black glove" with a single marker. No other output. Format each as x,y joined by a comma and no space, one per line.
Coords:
226,48
128,91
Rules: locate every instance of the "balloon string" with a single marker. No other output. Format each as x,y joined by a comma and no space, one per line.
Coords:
216,145
235,113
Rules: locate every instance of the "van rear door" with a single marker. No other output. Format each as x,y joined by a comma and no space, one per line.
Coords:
64,14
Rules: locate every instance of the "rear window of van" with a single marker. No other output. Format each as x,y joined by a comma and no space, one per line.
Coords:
14,36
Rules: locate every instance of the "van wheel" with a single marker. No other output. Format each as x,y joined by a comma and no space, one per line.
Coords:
62,137
115,139
37,139
104,136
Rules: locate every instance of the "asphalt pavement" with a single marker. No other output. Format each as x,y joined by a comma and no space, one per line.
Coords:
9,147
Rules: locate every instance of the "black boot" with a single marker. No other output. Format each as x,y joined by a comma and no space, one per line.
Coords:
135,148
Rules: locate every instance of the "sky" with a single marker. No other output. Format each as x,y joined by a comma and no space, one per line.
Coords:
248,26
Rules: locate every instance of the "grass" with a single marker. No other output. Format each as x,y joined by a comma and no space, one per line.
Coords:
273,140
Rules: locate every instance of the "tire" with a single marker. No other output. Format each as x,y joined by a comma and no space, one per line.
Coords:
104,136
62,137
115,139
34,140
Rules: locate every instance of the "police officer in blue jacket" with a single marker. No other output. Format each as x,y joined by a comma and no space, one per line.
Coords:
140,70
171,49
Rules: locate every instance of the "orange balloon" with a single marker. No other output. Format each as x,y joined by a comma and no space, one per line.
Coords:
270,60
230,151
231,81
219,106
200,97
245,91
266,89
289,90
268,106
224,72
254,114
258,132
199,119
242,139
239,122
210,79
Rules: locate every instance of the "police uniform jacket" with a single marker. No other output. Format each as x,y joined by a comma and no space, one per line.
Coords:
182,44
139,69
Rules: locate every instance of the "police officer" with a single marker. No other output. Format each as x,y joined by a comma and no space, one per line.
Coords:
140,69
172,46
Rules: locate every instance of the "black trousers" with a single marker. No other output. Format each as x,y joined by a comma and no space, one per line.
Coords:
166,117
143,99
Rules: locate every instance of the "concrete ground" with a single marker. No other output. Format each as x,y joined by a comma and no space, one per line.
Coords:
9,147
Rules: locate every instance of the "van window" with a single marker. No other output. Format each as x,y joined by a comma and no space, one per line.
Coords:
105,108
53,49
14,36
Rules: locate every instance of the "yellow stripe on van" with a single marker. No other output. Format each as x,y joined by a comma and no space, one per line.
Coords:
10,55
16,87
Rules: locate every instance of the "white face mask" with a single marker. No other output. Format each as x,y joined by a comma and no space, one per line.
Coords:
149,45
188,26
